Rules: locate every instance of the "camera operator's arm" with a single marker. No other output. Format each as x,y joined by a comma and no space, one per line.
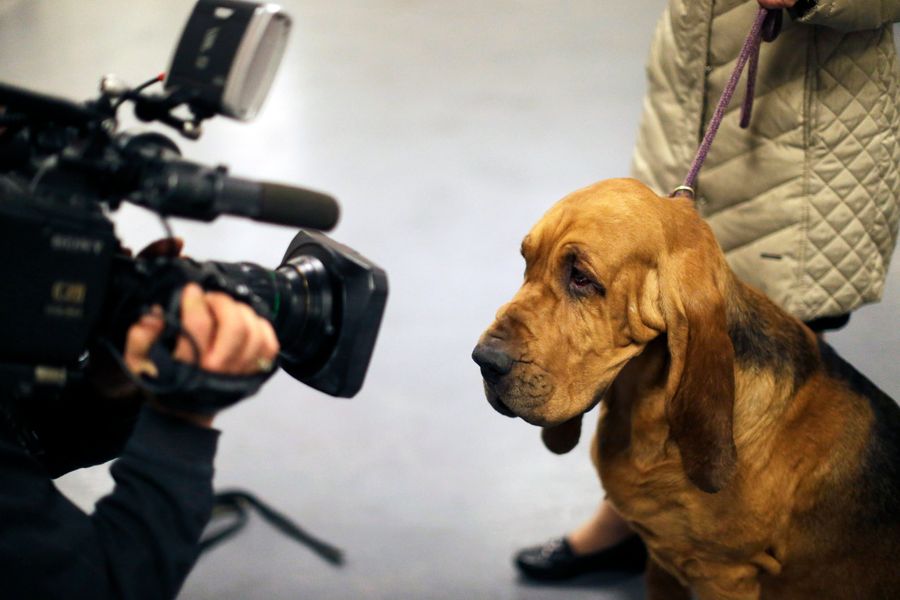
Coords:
141,541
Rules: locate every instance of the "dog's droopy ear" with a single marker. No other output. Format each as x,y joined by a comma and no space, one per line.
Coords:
700,383
562,438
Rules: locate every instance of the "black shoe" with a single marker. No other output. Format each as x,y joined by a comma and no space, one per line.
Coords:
555,560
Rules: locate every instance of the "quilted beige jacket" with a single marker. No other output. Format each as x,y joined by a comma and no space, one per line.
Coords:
805,203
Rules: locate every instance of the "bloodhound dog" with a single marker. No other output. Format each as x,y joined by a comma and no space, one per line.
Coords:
753,461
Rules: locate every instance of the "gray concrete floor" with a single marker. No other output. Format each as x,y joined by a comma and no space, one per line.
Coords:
445,129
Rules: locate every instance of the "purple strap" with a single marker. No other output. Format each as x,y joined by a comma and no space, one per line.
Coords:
765,28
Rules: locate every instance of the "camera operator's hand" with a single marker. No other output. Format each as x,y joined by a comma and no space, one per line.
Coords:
231,338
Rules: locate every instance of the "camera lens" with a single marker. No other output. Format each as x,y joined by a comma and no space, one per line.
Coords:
306,319
303,306
325,303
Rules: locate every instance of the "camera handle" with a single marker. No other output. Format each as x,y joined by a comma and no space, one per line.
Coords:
196,390
181,385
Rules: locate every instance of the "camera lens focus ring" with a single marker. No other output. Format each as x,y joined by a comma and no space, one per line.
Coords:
307,337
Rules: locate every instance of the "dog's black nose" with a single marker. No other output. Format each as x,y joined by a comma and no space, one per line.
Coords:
494,362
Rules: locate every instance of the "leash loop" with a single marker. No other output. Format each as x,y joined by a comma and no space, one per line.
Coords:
766,27
683,190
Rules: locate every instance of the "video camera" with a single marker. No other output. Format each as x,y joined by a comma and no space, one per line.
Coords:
67,282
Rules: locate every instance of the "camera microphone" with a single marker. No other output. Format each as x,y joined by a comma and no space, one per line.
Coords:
296,206
277,203
177,187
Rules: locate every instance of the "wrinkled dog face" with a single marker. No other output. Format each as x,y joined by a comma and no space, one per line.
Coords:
589,303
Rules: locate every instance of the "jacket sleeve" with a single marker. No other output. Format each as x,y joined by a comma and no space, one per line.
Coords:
141,540
847,15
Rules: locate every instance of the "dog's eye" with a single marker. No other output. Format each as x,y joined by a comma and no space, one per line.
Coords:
582,284
579,279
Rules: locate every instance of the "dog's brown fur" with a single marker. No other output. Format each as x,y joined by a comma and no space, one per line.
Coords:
752,461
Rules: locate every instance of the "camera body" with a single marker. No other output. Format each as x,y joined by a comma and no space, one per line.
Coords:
68,283
56,270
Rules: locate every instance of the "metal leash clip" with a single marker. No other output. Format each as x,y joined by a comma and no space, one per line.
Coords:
683,191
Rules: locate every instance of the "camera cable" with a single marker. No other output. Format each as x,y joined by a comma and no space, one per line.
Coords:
237,504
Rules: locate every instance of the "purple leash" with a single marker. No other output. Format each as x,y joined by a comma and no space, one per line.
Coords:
765,28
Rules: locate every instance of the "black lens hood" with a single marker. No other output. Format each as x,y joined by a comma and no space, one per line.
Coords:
360,291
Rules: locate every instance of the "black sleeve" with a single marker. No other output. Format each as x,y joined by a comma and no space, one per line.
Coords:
141,540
